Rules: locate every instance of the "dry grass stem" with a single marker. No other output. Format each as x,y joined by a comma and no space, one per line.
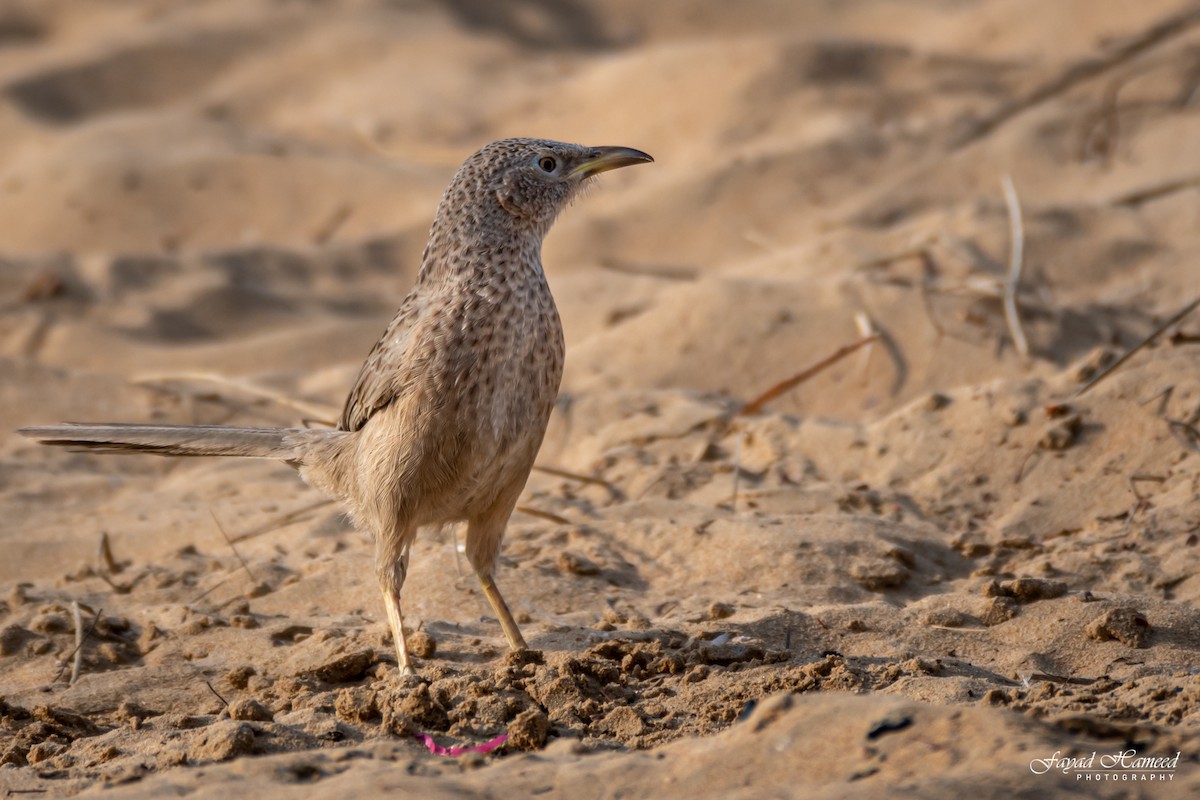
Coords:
76,655
546,515
756,405
314,410
225,536
281,521
577,476
1016,260
1111,368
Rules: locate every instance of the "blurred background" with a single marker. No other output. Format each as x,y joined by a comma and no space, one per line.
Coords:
245,185
203,200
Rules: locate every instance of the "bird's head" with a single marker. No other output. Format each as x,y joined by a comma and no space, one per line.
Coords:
531,180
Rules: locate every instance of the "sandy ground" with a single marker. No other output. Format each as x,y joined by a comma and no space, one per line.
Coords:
917,573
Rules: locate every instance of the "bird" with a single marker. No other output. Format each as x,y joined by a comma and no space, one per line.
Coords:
449,409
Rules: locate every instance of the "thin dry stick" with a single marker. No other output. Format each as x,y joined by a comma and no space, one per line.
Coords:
78,644
1047,677
106,555
1016,259
916,250
664,272
536,512
928,275
1083,70
1104,373
1185,434
737,469
224,702
209,590
315,410
865,328
225,536
576,476
756,405
1148,193
78,662
281,521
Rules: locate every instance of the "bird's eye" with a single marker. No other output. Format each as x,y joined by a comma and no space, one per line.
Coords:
547,163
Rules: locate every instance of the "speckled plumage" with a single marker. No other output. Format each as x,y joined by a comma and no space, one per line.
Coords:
450,407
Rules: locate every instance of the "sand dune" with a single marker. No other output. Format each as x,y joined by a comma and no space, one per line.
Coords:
919,571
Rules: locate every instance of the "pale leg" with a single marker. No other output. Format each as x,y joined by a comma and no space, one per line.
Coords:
511,632
391,600
391,581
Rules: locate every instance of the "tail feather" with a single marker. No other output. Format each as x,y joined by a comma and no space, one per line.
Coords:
176,440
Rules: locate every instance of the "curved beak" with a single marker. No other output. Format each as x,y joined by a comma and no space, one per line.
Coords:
602,159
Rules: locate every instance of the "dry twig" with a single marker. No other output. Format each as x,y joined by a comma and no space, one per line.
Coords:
225,536
1111,368
756,405
616,493
79,641
224,702
281,521
1080,71
78,660
315,410
1016,259
547,515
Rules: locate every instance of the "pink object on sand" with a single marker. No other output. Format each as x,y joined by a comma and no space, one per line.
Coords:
438,750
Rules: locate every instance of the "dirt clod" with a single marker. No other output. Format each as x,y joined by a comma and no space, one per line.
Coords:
1127,625
249,709
222,741
421,644
529,730
345,668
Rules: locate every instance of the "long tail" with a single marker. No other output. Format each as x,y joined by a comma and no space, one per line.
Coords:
179,440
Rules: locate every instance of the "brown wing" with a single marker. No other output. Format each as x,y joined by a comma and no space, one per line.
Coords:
423,350
383,375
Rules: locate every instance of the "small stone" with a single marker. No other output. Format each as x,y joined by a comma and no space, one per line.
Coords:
575,564
948,618
222,741
1062,433
13,639
879,574
1026,590
529,730
720,611
51,623
421,644
1000,609
996,697
133,714
357,704
250,710
15,754
344,669
1013,416
1127,625
623,722
521,658
936,401
43,751
239,677
730,653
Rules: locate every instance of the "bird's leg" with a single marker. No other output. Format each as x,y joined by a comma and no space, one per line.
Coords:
391,599
483,546
390,582
511,632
